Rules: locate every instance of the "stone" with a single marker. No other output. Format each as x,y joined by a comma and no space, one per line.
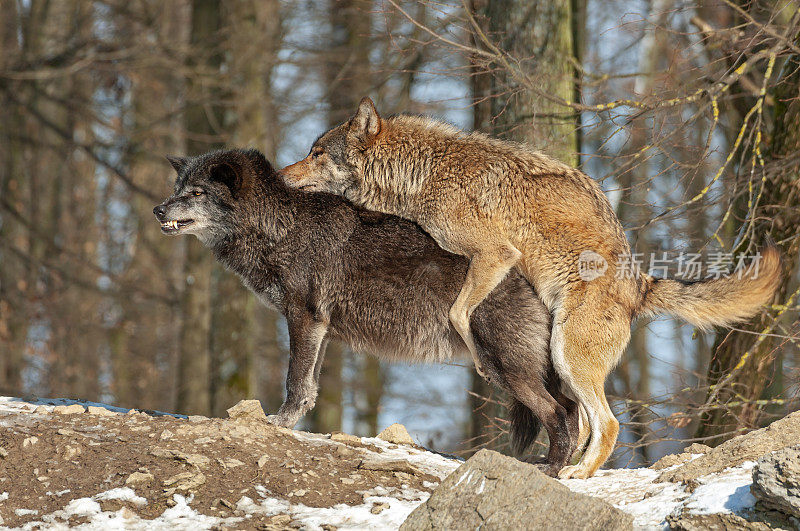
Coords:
247,410
393,465
71,451
280,519
343,451
378,508
776,481
491,491
185,481
229,462
687,455
341,437
138,478
748,447
30,441
100,411
716,522
697,448
396,434
3,453
196,460
71,409
671,460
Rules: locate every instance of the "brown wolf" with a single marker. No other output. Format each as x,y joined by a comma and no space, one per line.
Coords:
504,205
376,282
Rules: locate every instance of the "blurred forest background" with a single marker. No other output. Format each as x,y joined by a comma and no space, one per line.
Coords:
686,111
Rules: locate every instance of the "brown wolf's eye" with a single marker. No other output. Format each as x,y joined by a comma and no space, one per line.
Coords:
316,154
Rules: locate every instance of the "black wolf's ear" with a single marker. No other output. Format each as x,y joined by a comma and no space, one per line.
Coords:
366,123
229,175
179,163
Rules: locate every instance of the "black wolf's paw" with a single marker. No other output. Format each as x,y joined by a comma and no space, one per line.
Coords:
541,463
547,469
281,420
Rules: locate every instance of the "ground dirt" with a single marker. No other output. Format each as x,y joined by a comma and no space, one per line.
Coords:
225,467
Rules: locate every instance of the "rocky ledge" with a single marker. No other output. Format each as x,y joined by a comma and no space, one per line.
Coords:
75,464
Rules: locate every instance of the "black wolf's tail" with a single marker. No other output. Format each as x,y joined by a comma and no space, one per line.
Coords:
525,426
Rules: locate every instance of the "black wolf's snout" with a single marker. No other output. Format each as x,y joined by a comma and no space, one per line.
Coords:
160,211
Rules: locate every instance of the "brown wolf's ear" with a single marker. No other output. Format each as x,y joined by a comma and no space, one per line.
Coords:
179,163
366,123
228,174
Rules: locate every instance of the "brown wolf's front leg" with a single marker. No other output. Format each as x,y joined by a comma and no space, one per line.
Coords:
486,270
306,336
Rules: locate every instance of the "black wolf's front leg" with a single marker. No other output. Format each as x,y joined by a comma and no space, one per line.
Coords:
306,336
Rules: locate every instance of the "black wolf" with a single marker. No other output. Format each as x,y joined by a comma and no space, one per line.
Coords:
371,280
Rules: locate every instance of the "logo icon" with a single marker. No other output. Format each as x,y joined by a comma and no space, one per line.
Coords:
591,266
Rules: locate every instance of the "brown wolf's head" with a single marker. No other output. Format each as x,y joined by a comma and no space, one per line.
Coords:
332,164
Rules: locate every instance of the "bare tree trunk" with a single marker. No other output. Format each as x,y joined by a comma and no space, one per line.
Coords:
245,349
347,79
203,115
13,304
543,33
540,32
259,39
144,339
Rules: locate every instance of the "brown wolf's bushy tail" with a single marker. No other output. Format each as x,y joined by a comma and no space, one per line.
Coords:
717,301
525,426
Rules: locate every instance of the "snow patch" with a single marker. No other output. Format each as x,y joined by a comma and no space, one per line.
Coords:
9,404
180,516
80,507
399,504
636,492
428,462
725,492
121,494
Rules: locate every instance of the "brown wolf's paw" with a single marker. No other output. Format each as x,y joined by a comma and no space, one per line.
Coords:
574,472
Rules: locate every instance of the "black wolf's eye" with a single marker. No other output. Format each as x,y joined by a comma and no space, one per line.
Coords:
197,192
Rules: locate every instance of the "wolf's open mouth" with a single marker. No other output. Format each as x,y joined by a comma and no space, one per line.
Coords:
175,225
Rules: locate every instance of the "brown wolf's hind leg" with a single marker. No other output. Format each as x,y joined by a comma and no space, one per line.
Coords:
487,269
585,346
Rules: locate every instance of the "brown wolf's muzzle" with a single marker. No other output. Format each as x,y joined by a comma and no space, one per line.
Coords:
296,175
